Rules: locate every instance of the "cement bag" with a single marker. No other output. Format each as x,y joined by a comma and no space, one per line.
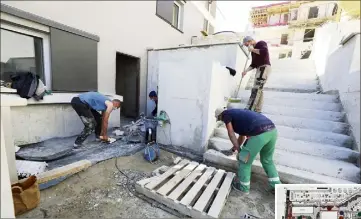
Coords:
26,195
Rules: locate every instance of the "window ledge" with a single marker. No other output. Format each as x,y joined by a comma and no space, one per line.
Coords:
55,98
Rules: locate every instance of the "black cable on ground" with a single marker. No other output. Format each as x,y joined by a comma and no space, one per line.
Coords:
146,199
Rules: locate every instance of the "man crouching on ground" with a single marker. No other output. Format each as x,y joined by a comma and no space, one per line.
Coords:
263,136
87,106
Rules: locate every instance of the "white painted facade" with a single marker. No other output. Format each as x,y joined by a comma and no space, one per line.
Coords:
129,27
338,67
192,82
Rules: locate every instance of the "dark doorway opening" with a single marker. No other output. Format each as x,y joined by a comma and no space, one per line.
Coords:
127,83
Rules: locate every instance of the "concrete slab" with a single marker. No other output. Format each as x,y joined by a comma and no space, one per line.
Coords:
296,96
304,135
305,123
295,112
297,103
307,148
286,173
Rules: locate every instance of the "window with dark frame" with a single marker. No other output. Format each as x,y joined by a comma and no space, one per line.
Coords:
285,18
313,12
284,39
309,35
170,11
20,53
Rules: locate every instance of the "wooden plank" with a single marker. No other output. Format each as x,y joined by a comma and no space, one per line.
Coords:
188,198
207,194
154,183
170,203
177,178
184,185
143,182
220,200
64,170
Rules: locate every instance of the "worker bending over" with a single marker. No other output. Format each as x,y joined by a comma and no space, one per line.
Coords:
87,105
153,96
261,62
263,136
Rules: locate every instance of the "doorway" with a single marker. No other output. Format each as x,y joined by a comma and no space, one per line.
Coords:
127,83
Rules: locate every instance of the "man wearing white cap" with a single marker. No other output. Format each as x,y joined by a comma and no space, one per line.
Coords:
261,62
263,136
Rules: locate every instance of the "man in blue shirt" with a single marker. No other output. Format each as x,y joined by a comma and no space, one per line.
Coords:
87,106
263,136
153,96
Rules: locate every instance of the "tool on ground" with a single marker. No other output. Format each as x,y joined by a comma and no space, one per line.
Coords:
151,152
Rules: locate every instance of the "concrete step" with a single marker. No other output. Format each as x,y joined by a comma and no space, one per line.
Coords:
304,123
307,148
296,112
303,135
304,172
314,124
293,96
294,87
297,103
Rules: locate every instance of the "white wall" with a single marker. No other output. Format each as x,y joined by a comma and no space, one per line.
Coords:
192,83
123,26
7,206
338,67
324,10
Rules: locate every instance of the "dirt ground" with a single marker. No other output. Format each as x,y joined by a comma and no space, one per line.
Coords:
101,192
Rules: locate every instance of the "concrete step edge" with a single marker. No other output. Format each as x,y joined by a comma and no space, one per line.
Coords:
287,174
289,111
300,147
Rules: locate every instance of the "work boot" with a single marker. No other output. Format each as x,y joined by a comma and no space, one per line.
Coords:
239,188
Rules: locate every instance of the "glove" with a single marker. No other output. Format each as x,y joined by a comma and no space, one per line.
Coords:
250,48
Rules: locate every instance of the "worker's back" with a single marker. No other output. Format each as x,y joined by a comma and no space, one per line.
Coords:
246,122
95,100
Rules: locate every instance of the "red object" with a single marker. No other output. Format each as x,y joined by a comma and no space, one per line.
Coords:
341,217
329,208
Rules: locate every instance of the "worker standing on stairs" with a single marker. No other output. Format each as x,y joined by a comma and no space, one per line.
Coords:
261,62
87,105
263,136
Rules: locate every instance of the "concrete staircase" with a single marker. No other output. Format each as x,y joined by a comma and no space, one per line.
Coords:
314,145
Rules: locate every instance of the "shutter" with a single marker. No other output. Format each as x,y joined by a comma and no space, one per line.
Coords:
73,62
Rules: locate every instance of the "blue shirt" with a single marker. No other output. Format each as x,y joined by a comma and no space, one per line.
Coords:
95,100
246,122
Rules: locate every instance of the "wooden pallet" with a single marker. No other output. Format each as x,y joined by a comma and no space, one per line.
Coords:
193,189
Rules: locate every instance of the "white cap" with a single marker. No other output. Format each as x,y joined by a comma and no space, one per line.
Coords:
219,111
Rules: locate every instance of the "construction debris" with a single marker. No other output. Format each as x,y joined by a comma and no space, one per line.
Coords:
27,168
118,132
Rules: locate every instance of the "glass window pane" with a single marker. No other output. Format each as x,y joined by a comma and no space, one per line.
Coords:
20,52
175,15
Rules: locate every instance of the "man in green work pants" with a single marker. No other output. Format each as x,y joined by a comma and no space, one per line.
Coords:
263,136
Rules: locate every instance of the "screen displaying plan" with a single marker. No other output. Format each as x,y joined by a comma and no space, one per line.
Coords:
318,201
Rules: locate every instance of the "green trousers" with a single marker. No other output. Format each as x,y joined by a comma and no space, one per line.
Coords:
265,145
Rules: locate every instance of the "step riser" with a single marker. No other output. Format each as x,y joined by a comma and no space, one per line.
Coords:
293,96
320,125
306,148
303,104
287,175
303,135
295,90
294,112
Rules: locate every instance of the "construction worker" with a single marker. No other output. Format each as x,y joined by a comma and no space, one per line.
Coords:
87,105
263,136
261,62
153,96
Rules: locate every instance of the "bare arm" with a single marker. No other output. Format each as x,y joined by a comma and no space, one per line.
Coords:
232,136
105,118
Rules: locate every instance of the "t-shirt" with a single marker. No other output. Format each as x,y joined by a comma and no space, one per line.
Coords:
263,57
95,100
247,122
